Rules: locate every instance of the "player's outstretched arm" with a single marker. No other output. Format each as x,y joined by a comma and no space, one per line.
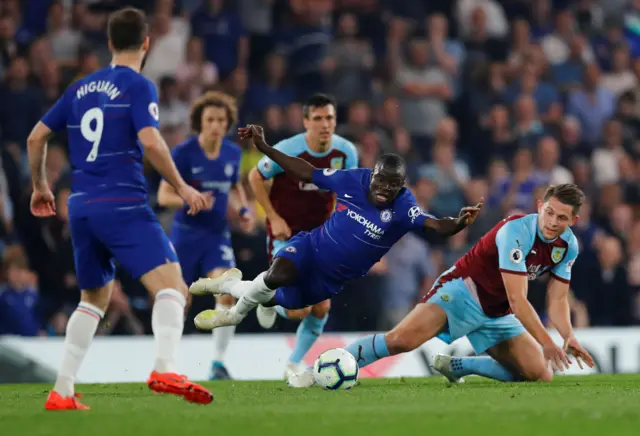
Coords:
300,168
450,226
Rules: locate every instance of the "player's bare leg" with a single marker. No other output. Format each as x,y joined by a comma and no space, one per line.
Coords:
516,359
424,322
250,294
81,328
165,284
523,356
223,335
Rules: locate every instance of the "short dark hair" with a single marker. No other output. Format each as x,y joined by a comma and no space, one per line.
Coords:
392,161
566,193
317,100
127,29
215,99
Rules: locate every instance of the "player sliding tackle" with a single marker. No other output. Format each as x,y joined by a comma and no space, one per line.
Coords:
373,211
484,297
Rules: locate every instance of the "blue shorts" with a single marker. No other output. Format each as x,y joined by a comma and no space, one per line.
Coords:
131,236
199,257
465,317
312,286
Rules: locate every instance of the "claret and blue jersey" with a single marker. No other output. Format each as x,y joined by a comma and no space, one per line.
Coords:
108,210
203,241
356,236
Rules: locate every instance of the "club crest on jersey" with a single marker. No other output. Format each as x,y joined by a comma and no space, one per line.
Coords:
557,254
385,215
228,170
329,171
337,163
154,111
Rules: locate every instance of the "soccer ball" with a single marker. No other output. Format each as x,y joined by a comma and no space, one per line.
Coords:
336,369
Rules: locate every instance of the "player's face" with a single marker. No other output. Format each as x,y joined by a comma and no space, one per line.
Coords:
215,123
384,186
321,123
554,217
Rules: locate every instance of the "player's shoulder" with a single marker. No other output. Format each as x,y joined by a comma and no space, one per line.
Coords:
231,149
570,239
518,226
343,144
293,145
187,146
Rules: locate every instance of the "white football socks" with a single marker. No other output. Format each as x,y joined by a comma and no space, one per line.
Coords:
253,293
81,328
167,321
221,337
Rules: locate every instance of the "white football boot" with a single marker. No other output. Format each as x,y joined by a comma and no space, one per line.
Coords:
442,364
213,318
302,379
266,316
217,286
290,369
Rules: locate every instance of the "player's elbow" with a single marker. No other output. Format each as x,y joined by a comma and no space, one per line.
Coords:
255,179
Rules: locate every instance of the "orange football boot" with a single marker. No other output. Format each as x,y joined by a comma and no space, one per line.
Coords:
55,401
171,383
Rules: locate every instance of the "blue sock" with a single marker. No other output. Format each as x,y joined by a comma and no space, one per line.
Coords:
308,332
485,366
368,349
282,312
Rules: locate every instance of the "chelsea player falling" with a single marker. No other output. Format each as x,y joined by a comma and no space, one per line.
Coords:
373,211
111,117
484,297
210,163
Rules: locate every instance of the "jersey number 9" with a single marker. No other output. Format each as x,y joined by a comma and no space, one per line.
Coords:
93,135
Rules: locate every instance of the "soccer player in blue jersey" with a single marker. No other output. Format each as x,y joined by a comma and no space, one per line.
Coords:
484,297
373,211
292,207
210,163
111,117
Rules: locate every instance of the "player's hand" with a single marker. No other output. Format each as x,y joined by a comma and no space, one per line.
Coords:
43,203
196,200
559,359
253,133
279,228
572,346
469,214
210,200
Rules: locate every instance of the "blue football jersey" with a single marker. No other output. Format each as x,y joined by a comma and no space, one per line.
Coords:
358,233
217,176
103,114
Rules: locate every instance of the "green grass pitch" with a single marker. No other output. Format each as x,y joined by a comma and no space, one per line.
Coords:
591,405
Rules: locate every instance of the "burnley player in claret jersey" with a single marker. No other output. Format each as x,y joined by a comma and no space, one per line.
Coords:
293,206
374,210
484,297
111,117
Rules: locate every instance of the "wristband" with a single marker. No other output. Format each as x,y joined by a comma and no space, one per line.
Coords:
243,211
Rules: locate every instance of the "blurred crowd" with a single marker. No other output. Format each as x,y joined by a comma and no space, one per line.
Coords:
483,98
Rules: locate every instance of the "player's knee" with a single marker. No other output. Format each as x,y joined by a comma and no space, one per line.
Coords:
298,314
540,372
321,309
98,297
279,275
399,342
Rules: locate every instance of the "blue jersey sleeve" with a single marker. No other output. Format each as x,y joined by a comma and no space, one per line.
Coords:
268,168
144,105
56,118
562,271
514,242
413,214
330,179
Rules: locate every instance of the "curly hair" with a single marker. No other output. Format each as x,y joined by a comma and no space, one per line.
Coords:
213,99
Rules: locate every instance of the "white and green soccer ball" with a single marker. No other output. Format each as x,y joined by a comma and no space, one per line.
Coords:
336,369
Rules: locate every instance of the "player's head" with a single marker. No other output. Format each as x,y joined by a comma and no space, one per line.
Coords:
320,118
387,179
127,31
213,115
559,209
